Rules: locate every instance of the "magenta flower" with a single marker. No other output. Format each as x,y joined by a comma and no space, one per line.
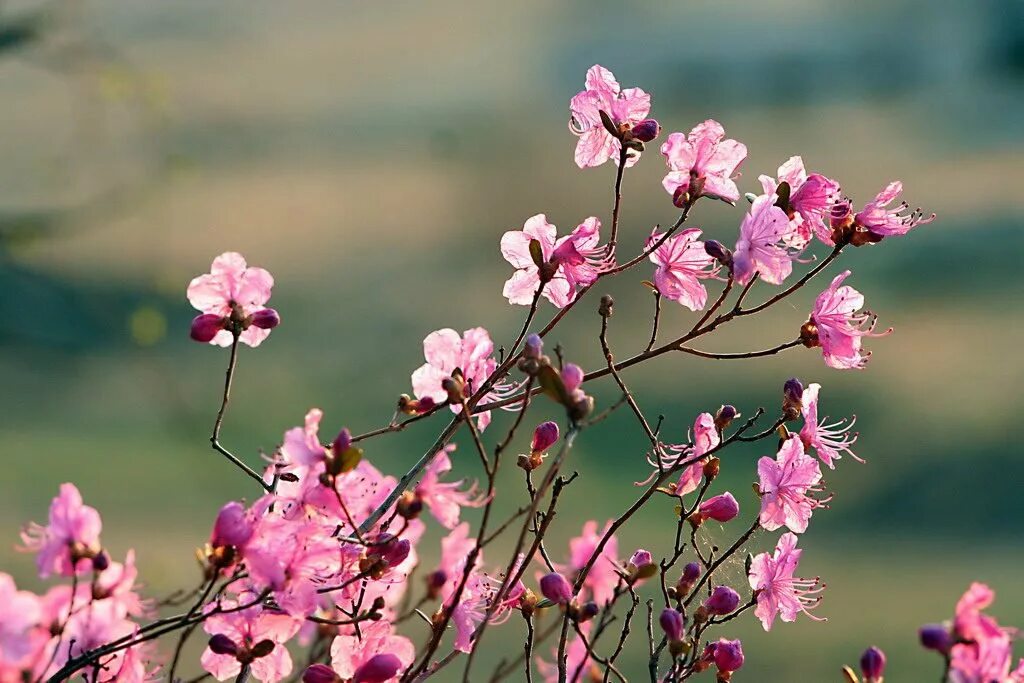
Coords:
232,526
762,247
353,651
702,164
837,325
672,623
705,438
720,508
723,600
785,483
830,441
20,612
727,656
681,264
247,630
877,218
445,500
575,260
70,540
810,200
627,110
779,593
982,652
604,575
445,351
232,294
544,437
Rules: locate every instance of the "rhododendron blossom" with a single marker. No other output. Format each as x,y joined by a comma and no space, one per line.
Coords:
779,592
702,164
19,613
785,483
354,649
626,108
681,264
763,246
837,325
232,296
445,500
878,218
829,441
70,540
808,201
604,575
246,629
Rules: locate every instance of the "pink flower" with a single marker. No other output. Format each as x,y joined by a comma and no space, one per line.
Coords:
626,108
117,583
575,260
445,351
877,218
245,629
762,247
233,527
837,325
705,438
455,549
830,441
71,538
682,263
19,614
350,652
785,483
604,575
810,199
702,164
578,663
302,444
779,593
232,294
445,500
982,653
727,655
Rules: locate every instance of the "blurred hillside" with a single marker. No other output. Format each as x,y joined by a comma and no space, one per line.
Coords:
371,155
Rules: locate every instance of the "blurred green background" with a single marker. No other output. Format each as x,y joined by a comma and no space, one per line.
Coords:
370,155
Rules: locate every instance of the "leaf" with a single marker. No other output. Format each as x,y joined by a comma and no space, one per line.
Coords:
537,253
551,383
350,458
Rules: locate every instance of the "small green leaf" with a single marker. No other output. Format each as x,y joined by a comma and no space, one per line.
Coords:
350,457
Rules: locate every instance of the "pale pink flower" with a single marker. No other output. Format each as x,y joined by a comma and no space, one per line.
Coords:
445,351
704,438
455,550
604,576
779,593
762,246
350,651
702,164
117,583
876,217
810,199
232,293
20,612
93,625
575,259
302,444
245,628
681,264
446,500
71,539
837,324
785,483
830,441
626,108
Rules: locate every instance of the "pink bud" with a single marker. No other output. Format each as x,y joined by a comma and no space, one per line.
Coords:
872,665
672,624
720,508
232,526
320,673
544,436
220,644
723,600
534,346
556,588
378,669
266,319
390,549
727,654
342,442
641,558
646,130
936,637
572,377
206,326
718,251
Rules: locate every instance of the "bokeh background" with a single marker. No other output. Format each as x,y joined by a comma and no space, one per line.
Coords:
371,154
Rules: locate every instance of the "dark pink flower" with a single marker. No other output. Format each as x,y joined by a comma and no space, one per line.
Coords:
544,437
723,600
627,110
727,655
67,544
232,527
702,164
779,592
982,652
556,588
682,262
837,325
245,629
236,295
829,441
785,483
809,202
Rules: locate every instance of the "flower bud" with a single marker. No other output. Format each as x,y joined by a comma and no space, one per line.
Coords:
936,637
544,436
792,398
101,561
641,565
409,505
206,326
232,527
378,669
721,508
342,442
809,335
691,572
606,307
266,319
672,623
711,468
725,415
646,130
723,600
534,347
572,377
389,550
455,388
220,644
556,588
320,673
872,665
435,582
727,655
718,251
588,611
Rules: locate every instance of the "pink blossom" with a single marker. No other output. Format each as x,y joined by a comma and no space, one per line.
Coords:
71,538
578,665
236,295
626,109
681,264
762,246
19,614
445,351
982,653
727,655
702,164
575,260
233,527
117,583
830,441
350,651
302,444
810,199
705,438
720,508
455,550
877,218
779,593
445,500
604,575
245,628
92,625
785,482
837,324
